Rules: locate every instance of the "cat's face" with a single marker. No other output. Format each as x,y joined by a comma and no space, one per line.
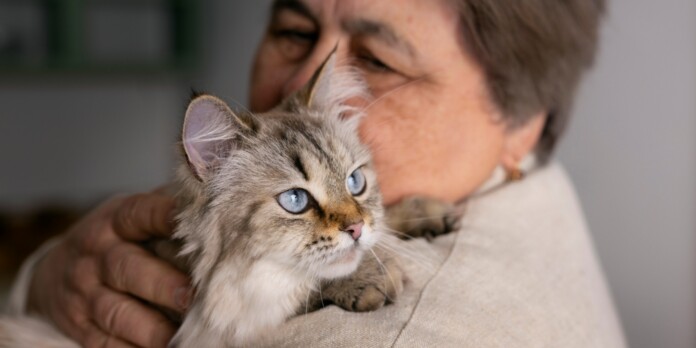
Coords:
311,191
294,185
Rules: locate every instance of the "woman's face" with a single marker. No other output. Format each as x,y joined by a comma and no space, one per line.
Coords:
432,128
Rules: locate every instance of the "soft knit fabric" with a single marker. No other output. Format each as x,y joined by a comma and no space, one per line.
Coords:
521,272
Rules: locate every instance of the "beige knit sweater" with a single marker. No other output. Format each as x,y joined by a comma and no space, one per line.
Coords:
521,272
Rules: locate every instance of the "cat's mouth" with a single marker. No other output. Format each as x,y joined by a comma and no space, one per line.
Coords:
342,263
349,256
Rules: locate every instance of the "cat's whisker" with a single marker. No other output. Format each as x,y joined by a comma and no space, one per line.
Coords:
431,217
372,103
419,264
312,281
384,271
402,235
408,247
375,147
321,297
419,257
416,256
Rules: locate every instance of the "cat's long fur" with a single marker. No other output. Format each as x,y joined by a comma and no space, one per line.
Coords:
254,264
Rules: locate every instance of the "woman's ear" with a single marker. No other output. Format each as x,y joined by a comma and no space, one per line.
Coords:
521,140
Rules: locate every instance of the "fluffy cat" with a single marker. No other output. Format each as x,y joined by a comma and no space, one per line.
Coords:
273,204
279,213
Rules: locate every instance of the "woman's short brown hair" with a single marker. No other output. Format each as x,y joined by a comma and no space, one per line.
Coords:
533,53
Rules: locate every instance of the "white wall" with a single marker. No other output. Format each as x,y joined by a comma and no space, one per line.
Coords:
631,151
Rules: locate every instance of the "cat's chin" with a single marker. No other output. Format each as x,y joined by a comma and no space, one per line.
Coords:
343,265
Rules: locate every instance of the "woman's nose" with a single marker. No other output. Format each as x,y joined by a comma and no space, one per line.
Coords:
305,70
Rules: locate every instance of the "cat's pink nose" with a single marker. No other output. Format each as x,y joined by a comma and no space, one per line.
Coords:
355,230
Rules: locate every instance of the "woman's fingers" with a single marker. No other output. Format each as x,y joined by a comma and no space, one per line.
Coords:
84,283
128,268
73,320
130,320
95,337
144,216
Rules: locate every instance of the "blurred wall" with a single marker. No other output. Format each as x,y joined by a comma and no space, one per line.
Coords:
77,140
631,149
76,137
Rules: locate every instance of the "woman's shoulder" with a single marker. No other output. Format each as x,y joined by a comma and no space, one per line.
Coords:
544,202
527,269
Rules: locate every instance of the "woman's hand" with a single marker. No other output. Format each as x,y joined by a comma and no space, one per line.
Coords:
93,283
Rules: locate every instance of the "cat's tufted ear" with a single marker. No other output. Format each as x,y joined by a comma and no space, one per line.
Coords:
330,86
211,130
314,92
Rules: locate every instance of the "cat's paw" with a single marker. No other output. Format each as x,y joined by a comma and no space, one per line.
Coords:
418,216
379,280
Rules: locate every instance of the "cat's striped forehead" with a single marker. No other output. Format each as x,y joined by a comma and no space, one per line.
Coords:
319,153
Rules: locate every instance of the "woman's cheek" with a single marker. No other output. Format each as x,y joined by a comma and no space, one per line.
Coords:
265,91
268,76
380,132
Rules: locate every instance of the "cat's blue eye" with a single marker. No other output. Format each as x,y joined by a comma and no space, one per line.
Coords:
356,182
295,201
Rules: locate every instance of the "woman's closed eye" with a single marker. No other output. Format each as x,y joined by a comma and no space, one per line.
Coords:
294,34
299,37
383,69
372,64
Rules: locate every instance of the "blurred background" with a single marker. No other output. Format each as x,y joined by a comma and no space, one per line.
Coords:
91,107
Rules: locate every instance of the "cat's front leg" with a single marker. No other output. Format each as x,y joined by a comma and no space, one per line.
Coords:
378,280
418,216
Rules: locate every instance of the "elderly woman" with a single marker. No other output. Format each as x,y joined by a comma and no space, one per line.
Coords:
472,97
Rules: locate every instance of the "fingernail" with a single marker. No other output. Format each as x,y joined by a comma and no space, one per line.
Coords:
182,297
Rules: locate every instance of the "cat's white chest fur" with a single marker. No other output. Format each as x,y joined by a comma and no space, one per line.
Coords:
241,303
